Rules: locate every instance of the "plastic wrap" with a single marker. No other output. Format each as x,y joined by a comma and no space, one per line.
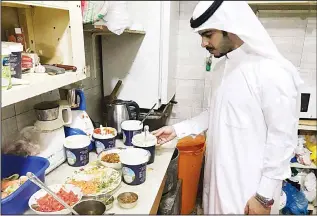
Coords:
25,144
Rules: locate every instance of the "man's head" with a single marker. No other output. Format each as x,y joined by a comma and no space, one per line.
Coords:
219,43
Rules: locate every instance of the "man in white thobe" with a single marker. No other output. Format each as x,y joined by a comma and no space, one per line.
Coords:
253,112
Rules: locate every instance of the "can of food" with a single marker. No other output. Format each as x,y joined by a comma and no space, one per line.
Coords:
147,142
104,138
5,69
76,148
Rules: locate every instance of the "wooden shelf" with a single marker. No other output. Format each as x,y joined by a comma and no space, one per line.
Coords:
283,5
39,84
103,29
28,4
298,165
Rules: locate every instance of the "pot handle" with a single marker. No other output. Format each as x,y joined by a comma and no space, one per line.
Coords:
68,117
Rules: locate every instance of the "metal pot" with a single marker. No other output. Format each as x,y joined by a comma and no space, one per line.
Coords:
47,110
172,173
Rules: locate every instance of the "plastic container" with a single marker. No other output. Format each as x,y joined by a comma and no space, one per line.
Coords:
5,67
17,202
134,162
191,153
76,148
148,144
106,141
129,129
15,59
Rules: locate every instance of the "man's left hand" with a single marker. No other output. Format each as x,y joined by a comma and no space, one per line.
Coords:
254,207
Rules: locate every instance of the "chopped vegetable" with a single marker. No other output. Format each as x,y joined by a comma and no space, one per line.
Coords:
49,204
11,184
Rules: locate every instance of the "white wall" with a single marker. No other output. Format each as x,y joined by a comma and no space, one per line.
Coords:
294,33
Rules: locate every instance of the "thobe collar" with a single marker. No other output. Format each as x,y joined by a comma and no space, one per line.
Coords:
239,53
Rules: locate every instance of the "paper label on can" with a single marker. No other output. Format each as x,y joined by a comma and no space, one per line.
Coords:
71,158
128,174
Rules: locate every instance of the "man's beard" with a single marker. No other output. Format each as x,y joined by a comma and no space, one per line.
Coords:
226,46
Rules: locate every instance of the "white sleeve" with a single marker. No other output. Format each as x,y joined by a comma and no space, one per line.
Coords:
280,109
193,126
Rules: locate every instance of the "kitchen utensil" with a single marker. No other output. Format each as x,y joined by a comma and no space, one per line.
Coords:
106,199
113,95
90,207
134,161
39,183
81,123
104,138
124,198
119,111
46,110
145,117
76,148
129,129
66,67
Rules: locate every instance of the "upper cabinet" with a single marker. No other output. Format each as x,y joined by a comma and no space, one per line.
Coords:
53,30
146,63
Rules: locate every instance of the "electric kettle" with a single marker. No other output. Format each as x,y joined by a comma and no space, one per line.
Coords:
119,111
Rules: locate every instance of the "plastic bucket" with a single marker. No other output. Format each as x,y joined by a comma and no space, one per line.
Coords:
134,161
76,148
191,153
106,141
129,129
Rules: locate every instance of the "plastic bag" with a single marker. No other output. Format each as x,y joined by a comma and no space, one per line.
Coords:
296,202
93,11
25,144
309,187
117,18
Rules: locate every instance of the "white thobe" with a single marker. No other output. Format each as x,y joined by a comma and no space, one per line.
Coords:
252,128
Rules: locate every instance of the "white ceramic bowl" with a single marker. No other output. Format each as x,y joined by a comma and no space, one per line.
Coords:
116,166
55,188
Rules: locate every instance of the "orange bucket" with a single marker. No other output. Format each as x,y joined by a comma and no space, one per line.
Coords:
191,153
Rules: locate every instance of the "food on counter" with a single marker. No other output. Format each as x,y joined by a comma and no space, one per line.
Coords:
129,198
49,204
108,132
111,158
11,184
141,140
95,179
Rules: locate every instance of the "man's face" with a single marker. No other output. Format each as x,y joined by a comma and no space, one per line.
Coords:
215,42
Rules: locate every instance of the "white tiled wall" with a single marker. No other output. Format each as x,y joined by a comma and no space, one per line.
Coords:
293,32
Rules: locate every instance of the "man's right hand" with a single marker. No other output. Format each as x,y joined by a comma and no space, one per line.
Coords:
164,134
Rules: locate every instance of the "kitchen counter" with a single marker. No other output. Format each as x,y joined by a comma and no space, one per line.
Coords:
147,192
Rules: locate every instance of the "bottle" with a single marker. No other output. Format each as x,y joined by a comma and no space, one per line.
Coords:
5,69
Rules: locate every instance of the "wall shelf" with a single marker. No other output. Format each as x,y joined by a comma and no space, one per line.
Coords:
39,83
307,125
28,4
103,29
283,5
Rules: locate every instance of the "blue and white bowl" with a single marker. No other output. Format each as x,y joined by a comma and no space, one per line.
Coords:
129,129
134,161
104,141
76,149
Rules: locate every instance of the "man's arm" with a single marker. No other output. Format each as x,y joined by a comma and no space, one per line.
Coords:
193,126
279,105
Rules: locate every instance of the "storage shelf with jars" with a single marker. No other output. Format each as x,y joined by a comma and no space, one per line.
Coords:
51,33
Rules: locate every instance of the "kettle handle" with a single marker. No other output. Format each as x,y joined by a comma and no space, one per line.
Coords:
82,99
137,109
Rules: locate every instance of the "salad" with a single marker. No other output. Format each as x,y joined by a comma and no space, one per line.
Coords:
11,184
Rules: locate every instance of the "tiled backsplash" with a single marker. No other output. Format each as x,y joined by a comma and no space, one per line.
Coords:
293,32
16,116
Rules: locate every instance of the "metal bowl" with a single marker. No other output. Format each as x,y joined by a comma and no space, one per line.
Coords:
127,205
106,199
90,207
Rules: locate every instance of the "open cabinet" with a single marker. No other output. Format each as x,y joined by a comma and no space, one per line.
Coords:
53,30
